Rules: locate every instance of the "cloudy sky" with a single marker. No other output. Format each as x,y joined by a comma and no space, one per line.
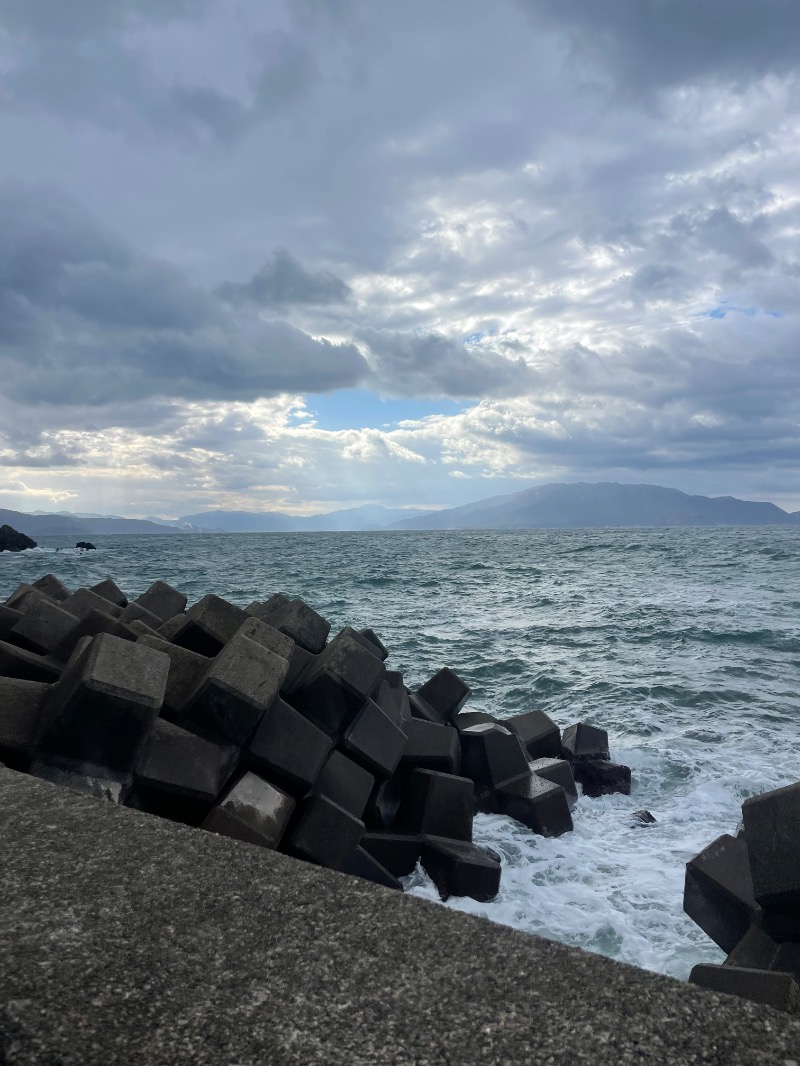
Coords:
309,254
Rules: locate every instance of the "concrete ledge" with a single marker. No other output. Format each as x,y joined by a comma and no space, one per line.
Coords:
128,939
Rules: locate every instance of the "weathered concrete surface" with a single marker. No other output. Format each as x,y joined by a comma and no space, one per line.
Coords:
128,939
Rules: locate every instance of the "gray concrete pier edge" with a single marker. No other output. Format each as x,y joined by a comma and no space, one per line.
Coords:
125,938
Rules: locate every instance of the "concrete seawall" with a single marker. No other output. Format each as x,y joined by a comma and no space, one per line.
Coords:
128,939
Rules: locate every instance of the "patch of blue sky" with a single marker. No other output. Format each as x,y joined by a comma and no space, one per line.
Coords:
361,409
752,312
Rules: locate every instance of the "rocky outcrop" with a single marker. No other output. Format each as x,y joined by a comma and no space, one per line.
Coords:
11,540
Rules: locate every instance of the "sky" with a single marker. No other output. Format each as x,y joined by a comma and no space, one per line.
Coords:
311,254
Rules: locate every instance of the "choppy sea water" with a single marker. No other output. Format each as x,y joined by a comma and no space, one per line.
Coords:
683,643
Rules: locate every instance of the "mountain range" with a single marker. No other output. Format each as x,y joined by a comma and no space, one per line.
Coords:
602,505
554,506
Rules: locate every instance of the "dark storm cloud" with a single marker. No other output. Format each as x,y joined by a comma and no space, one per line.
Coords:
653,44
92,321
282,282
430,364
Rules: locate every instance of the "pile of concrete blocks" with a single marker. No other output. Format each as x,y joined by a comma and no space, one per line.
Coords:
252,722
744,892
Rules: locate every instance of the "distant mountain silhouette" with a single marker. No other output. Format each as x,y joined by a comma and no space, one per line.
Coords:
62,525
370,516
601,505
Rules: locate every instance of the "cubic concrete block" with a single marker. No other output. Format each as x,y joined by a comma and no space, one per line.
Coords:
267,636
345,783
93,623
110,591
299,662
253,810
718,891
757,950
268,610
134,612
209,625
460,869
238,686
465,719
52,587
168,630
439,804
422,710
8,618
539,734
362,864
179,775
365,642
540,805
581,741
374,740
445,692
374,639
337,683
43,626
431,747
288,748
772,831
179,763
20,717
323,833
162,600
600,778
186,670
396,852
490,756
559,772
392,698
139,628
303,624
89,779
82,601
102,709
27,665
20,594
381,809
777,990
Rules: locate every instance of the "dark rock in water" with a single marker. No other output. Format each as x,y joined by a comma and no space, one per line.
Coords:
777,990
11,540
718,891
600,778
86,545
460,869
642,818
772,828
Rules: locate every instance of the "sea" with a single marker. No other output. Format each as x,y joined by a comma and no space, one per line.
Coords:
684,644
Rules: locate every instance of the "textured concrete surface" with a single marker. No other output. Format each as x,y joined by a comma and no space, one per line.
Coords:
127,939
